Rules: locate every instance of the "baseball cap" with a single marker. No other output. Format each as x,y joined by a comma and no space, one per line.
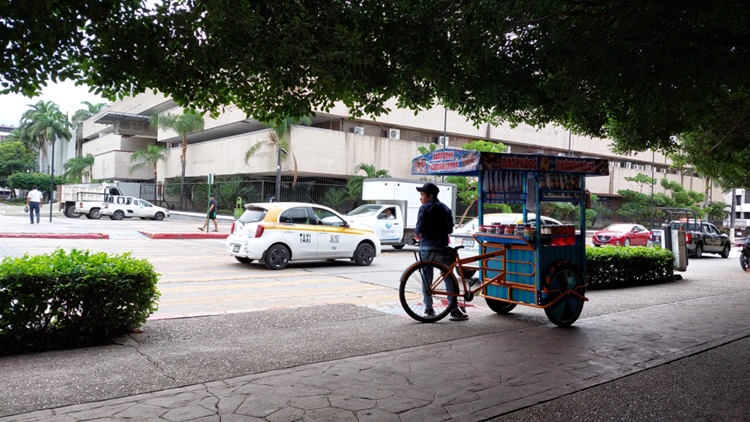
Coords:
429,188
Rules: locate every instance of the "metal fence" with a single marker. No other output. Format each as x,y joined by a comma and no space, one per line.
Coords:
317,190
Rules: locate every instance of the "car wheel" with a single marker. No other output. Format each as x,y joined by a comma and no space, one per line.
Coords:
118,215
397,246
277,257
70,212
725,252
698,251
94,214
159,216
468,273
243,259
364,254
627,242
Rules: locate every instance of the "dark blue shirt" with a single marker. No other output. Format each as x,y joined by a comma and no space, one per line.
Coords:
434,224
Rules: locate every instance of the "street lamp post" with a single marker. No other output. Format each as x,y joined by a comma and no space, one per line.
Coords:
278,174
52,179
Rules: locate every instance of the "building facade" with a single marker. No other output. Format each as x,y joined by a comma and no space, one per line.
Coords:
333,145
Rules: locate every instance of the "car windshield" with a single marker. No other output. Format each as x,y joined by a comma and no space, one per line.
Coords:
619,228
365,210
253,215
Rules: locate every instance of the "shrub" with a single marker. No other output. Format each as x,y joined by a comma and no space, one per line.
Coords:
63,300
628,266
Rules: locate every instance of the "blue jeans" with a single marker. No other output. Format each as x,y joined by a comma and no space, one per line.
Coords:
428,254
34,207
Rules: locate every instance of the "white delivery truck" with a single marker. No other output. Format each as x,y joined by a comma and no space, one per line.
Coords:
401,197
84,198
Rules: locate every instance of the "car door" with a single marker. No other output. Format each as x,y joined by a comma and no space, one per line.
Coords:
390,229
298,233
145,209
640,235
336,240
712,238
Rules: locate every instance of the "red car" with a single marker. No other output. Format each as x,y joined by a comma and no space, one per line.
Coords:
622,235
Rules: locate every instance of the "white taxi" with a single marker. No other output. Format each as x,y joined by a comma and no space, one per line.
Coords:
277,233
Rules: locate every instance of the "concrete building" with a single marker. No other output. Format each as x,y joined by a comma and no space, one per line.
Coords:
334,144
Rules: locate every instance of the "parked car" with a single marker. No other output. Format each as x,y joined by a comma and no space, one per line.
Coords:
703,237
278,233
622,234
127,207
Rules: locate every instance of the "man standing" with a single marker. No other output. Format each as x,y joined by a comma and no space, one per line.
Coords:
34,202
211,215
434,224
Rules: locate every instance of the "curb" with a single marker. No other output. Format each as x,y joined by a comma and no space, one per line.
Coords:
55,235
184,235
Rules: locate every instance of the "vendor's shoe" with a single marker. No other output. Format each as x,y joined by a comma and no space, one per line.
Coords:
457,315
200,228
429,313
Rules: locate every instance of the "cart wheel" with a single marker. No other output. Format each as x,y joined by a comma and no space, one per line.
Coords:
564,283
412,298
499,306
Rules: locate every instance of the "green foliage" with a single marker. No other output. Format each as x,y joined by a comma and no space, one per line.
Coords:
354,184
42,124
563,211
336,198
148,156
62,300
424,150
717,212
28,181
642,180
184,124
15,157
605,69
612,266
77,168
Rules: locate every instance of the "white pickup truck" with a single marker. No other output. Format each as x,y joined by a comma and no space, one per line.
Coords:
85,198
401,197
127,207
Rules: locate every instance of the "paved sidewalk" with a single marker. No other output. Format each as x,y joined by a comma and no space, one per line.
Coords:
469,379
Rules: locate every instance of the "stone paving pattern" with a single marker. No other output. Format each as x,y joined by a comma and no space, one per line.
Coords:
466,380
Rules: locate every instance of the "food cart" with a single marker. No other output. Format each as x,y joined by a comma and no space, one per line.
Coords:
542,267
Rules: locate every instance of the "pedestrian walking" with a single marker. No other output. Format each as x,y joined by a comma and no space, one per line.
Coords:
211,215
434,224
34,203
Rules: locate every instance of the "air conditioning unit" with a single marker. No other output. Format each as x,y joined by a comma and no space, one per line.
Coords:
394,134
443,140
359,130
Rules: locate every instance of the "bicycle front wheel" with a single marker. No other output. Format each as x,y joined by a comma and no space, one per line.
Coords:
428,291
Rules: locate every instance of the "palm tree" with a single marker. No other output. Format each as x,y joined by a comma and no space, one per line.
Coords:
43,123
78,167
279,140
354,184
82,114
151,155
184,124
90,110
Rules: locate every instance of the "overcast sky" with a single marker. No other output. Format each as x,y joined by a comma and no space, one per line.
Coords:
65,94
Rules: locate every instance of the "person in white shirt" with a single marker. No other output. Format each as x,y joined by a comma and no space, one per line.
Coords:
34,202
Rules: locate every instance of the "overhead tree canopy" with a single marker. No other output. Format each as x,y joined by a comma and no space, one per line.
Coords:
643,73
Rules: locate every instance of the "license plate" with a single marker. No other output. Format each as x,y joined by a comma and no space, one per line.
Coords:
235,248
469,243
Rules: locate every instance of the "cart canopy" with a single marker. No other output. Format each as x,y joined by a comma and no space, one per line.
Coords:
458,162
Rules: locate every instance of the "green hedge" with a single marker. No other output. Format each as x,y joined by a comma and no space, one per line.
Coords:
76,299
612,266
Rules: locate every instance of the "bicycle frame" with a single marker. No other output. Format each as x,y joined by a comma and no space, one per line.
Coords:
500,279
